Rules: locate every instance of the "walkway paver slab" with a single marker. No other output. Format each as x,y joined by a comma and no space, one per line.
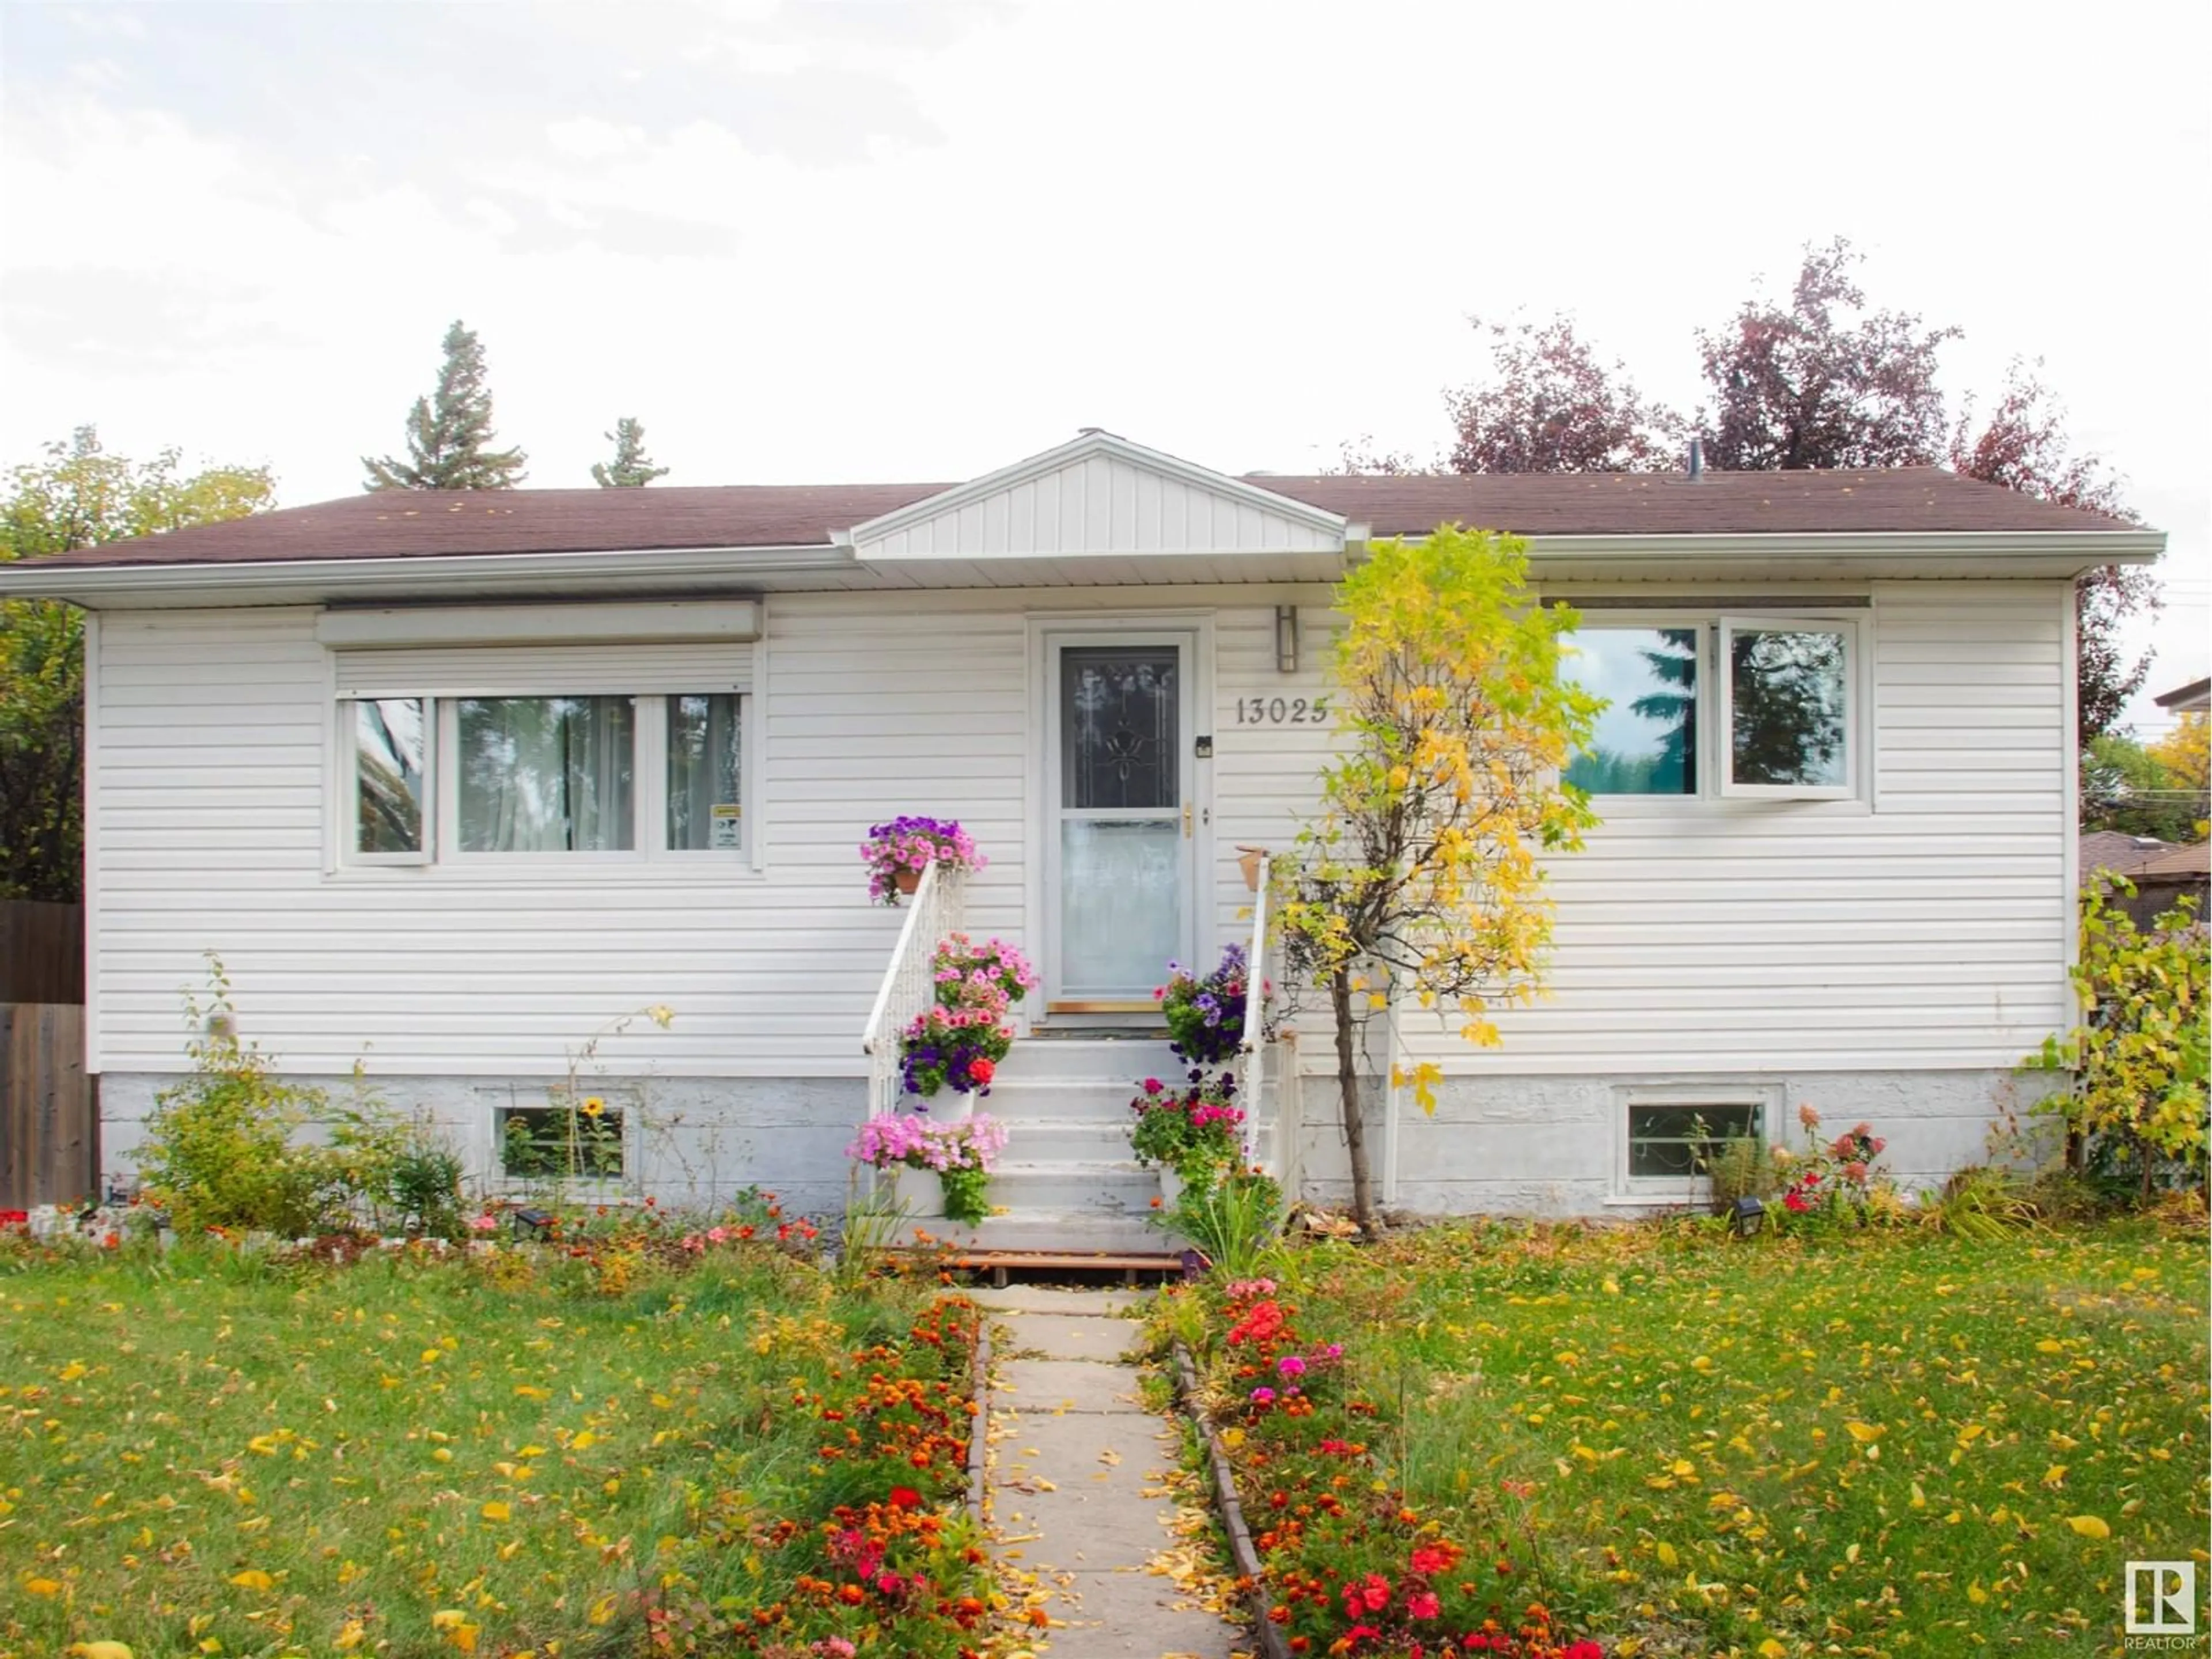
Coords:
1075,1385
1068,1336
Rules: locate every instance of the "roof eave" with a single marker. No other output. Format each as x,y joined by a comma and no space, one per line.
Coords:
241,582
1995,553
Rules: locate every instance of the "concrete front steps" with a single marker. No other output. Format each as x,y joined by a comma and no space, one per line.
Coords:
1067,1182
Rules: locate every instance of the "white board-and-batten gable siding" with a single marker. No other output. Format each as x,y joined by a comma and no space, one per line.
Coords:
1926,928
1099,496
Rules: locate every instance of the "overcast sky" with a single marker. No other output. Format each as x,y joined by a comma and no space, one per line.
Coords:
868,242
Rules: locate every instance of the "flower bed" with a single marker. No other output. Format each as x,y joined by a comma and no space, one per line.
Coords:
1349,1565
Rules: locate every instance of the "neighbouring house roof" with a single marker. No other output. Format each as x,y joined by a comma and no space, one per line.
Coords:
429,523
2176,864
2118,852
2196,695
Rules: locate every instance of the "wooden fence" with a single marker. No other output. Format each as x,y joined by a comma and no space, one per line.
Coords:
49,1107
41,951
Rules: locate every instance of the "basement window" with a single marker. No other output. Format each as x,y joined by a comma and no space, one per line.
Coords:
560,1142
1668,1136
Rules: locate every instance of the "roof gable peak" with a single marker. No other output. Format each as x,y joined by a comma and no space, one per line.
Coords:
1097,494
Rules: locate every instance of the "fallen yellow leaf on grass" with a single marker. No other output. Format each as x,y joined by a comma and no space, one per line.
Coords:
2088,1526
1771,1649
42,1586
99,1650
1863,1432
495,1512
1667,1556
253,1579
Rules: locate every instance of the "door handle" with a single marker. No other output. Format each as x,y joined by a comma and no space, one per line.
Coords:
1186,820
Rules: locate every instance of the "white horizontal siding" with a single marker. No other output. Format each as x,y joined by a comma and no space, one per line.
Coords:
1926,928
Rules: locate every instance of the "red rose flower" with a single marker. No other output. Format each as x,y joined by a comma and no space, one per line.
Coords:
905,1497
980,1072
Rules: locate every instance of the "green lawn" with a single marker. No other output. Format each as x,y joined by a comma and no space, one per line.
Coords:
1880,1443
205,1455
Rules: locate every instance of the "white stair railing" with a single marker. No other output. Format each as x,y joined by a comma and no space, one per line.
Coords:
1252,1066
909,983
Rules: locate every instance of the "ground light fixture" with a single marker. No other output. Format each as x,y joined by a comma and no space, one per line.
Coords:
531,1224
1748,1216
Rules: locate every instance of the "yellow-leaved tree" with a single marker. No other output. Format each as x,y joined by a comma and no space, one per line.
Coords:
1422,874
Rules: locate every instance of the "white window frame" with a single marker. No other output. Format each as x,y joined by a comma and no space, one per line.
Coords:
1723,636
747,776
649,848
1682,1189
449,797
1714,731
348,721
624,1098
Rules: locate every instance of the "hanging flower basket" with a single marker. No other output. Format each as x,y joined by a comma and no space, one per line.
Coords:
897,853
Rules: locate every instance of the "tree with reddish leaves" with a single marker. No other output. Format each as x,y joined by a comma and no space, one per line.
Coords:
1823,382
1552,406
2022,445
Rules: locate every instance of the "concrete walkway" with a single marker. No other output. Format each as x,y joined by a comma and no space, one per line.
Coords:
1075,1486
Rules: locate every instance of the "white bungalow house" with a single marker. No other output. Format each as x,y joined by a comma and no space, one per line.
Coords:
645,731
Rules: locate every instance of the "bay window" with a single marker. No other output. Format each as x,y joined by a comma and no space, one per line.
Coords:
1757,707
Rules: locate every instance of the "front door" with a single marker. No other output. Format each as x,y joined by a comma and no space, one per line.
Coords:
1119,840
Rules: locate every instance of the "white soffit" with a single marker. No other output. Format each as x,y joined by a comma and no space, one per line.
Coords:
734,621
1098,496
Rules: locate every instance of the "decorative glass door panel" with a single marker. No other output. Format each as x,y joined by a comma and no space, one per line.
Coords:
1120,829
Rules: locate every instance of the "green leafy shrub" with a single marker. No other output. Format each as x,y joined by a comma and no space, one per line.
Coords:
1980,1204
1232,1221
423,1185
223,1152
1743,1168
2136,1101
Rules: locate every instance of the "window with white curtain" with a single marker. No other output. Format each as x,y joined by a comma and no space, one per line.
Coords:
547,774
445,780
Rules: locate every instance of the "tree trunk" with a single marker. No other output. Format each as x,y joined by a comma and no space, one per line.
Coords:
1348,1082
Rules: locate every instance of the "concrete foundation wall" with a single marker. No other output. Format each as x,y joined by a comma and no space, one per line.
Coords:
1523,1145
1558,1146
690,1142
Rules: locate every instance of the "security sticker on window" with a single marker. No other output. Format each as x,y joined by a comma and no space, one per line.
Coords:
728,822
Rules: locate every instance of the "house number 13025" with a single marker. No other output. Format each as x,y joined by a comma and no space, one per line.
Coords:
1282,711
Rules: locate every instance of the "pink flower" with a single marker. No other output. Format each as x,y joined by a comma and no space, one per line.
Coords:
1856,1171
1263,1396
1808,1116
1424,1604
1290,1365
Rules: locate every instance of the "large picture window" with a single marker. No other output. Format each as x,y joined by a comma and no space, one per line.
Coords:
1730,706
430,780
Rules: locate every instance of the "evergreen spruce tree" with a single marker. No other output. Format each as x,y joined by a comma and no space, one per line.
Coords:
631,466
449,436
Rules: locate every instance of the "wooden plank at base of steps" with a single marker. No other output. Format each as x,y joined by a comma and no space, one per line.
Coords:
1128,1264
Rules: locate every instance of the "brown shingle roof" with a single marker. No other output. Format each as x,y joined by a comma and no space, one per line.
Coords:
2118,852
417,524
2176,864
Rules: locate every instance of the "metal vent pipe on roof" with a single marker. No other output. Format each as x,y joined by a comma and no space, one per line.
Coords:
1694,469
